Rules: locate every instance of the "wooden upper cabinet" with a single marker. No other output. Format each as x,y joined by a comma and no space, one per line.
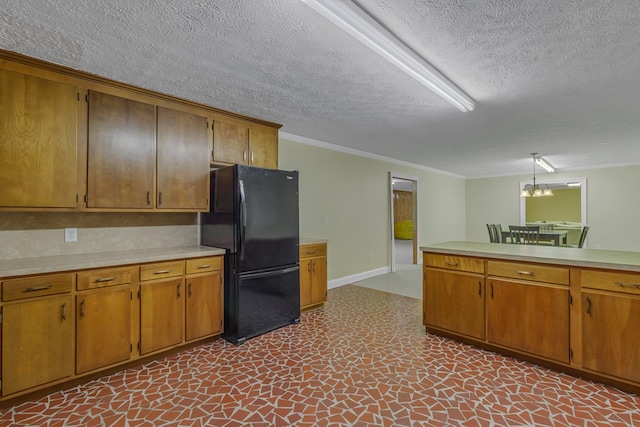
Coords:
263,148
38,138
183,168
243,145
230,143
121,153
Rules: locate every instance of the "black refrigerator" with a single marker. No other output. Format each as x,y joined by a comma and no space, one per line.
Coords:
254,216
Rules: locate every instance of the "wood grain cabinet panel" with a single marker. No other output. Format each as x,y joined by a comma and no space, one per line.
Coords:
161,314
313,275
103,328
121,153
204,301
38,142
230,143
611,334
530,317
183,166
263,148
454,262
454,301
37,343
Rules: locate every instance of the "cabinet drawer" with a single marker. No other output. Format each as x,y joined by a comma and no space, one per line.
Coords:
201,265
161,270
36,286
537,273
104,277
454,262
307,251
611,281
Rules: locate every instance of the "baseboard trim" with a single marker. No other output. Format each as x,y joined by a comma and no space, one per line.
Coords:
335,283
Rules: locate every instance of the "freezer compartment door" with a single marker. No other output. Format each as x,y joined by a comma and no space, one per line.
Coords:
264,301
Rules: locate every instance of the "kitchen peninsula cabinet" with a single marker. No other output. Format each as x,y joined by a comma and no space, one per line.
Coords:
204,301
121,153
574,310
529,315
610,321
454,299
37,331
38,137
103,317
313,275
237,143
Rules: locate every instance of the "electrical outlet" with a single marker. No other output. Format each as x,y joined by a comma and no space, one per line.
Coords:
327,222
70,235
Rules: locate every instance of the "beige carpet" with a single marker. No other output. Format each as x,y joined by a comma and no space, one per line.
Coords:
406,280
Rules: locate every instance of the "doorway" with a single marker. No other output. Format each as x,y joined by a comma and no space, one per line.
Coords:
403,205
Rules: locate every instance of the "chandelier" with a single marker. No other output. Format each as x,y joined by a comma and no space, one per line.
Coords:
537,190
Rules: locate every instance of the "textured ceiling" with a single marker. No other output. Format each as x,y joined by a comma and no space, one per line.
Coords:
555,77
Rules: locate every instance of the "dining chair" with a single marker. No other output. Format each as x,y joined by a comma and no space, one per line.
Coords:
583,237
546,227
524,235
495,233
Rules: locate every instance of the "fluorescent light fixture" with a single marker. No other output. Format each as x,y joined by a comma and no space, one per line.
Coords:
544,165
573,184
359,24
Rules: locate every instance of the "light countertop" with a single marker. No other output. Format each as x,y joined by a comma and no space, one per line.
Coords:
51,264
595,258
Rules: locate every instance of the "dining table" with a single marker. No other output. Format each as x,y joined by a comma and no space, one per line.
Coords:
556,237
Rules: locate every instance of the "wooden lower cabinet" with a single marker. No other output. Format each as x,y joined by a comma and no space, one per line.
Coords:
37,343
454,301
204,309
313,275
611,333
161,314
530,317
103,328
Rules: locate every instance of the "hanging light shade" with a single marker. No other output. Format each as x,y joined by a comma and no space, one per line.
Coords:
536,190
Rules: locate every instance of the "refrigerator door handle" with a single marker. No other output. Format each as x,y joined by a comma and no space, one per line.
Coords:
270,273
243,218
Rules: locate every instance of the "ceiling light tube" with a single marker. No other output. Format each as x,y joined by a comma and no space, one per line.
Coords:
543,164
357,23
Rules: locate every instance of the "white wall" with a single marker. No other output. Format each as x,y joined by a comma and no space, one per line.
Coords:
352,192
613,205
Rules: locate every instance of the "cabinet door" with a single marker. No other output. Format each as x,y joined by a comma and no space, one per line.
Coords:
318,280
454,301
162,314
102,328
204,306
38,161
610,334
37,343
263,148
530,317
183,160
230,143
121,153
305,282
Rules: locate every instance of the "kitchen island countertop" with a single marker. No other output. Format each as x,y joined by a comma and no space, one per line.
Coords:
51,264
594,258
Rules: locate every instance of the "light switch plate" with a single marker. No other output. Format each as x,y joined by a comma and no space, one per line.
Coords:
70,235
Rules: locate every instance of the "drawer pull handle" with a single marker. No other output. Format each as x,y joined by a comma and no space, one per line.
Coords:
38,288
628,285
64,311
162,271
190,293
451,264
525,273
588,305
82,309
479,288
205,266
311,252
178,290
105,279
